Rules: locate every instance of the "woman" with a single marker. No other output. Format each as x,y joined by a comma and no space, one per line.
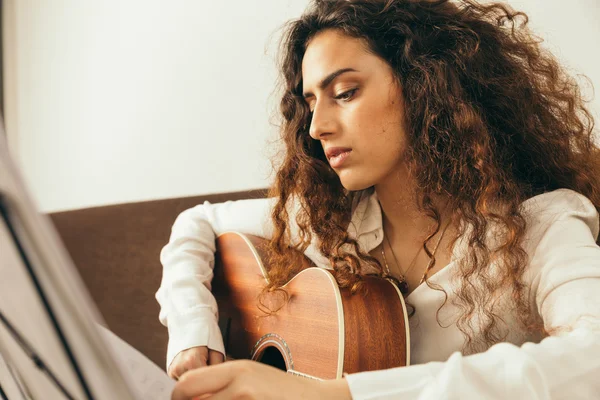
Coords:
435,143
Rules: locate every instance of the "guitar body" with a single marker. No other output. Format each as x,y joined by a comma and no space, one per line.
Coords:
322,332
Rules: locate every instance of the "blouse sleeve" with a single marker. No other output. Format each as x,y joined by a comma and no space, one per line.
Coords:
564,275
187,307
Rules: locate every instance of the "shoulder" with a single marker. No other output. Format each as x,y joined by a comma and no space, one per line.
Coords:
563,208
560,240
559,201
562,229
246,215
245,206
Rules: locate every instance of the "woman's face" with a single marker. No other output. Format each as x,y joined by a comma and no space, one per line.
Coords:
358,115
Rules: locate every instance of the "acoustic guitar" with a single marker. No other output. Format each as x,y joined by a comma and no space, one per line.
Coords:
322,332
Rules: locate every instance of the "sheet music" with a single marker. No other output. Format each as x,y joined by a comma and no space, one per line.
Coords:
151,382
10,381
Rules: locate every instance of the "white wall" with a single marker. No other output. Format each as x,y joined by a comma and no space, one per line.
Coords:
119,101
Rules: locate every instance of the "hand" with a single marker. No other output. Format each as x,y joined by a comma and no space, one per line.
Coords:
194,357
244,379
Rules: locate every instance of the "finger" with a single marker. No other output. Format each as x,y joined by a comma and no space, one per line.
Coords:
176,371
173,370
203,381
188,360
215,357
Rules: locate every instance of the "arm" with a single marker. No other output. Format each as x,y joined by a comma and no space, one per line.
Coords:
188,308
566,293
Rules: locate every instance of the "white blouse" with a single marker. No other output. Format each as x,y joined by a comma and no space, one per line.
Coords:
563,273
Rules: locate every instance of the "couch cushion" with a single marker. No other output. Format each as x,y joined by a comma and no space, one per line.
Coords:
116,249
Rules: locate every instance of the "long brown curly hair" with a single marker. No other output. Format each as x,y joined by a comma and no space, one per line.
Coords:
491,119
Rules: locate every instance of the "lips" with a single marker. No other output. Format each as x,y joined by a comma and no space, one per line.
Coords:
336,151
337,156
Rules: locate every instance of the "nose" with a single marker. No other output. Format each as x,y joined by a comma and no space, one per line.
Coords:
322,123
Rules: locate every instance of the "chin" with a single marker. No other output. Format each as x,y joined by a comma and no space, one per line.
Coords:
354,183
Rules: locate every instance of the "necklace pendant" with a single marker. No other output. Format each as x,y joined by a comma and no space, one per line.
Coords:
401,284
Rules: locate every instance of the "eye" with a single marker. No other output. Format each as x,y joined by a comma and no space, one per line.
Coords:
346,96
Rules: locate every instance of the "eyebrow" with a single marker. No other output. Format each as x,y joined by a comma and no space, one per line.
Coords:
328,79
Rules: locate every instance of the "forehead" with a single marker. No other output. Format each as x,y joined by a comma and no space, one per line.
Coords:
331,50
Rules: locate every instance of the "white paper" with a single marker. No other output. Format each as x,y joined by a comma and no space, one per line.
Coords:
10,382
149,381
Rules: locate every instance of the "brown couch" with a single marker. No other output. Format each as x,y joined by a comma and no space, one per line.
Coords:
116,249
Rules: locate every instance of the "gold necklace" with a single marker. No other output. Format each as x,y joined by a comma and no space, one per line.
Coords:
412,263
402,283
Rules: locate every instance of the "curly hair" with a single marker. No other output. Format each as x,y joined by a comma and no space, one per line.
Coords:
491,120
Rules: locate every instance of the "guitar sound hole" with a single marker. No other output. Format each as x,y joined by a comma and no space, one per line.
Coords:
271,356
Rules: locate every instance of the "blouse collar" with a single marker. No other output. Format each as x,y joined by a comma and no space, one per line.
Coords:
366,223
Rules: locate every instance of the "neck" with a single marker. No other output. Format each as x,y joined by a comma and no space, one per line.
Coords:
397,197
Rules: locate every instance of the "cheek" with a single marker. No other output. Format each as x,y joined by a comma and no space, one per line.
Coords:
388,143
381,136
